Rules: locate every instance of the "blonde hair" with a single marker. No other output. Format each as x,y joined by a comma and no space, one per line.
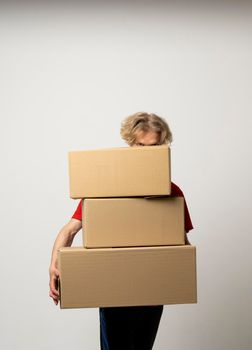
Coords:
143,121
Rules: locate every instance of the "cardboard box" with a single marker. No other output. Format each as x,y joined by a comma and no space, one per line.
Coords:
120,172
127,276
122,222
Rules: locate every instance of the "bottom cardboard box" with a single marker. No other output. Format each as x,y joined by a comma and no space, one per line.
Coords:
127,276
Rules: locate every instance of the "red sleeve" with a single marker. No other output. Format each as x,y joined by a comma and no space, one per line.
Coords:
78,212
176,191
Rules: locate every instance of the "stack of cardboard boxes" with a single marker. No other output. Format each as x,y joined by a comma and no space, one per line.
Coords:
134,250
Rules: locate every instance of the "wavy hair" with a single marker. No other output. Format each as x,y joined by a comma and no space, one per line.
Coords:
142,121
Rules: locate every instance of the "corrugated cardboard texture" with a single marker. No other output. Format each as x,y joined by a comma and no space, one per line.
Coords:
127,276
120,172
122,222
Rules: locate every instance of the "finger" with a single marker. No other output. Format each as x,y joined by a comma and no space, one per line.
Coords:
54,297
54,292
54,286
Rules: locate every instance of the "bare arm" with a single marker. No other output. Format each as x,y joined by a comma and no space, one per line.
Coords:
63,239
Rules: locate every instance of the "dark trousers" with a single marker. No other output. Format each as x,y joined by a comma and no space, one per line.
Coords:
129,328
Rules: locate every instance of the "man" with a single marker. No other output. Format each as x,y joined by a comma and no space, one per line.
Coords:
124,328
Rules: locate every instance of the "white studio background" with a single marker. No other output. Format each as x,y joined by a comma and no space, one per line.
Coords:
69,74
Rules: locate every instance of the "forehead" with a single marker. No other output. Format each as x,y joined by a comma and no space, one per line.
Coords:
150,136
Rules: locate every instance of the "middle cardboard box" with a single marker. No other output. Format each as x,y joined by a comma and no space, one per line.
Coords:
129,222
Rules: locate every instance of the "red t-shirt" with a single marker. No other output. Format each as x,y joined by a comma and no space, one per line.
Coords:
175,192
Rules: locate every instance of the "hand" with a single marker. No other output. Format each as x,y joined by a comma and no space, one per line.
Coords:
53,284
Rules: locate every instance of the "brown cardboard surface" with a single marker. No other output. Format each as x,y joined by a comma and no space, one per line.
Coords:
120,172
122,222
127,276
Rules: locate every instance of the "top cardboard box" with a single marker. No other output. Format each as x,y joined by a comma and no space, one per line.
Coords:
120,172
